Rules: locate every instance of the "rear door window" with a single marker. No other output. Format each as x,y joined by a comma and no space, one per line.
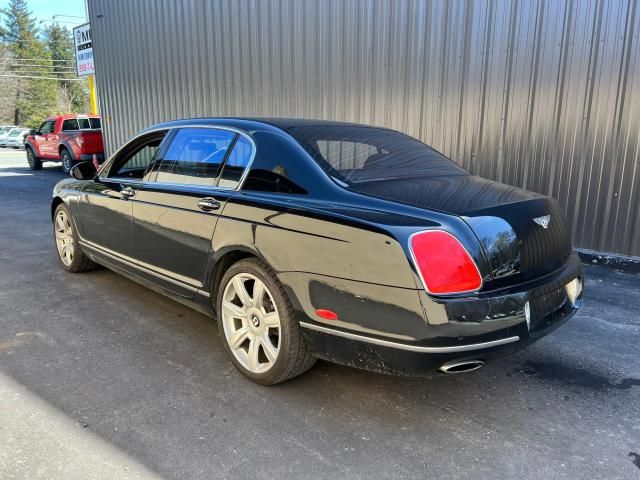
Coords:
69,124
195,156
84,124
236,164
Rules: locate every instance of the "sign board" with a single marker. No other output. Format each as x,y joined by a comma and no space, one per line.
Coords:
84,49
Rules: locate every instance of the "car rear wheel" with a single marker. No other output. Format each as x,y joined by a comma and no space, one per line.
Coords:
70,253
256,321
33,161
67,161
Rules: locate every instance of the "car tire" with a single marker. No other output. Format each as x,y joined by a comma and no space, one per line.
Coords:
67,160
65,234
34,162
248,327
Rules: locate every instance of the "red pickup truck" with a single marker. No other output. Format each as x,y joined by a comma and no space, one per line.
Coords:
68,139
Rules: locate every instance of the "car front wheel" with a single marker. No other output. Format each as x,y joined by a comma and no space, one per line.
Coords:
33,161
256,321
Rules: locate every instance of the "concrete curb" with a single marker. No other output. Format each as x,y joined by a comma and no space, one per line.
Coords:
612,260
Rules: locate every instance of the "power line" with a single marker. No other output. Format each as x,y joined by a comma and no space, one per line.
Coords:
59,21
35,60
43,78
49,60
50,72
48,67
68,16
20,65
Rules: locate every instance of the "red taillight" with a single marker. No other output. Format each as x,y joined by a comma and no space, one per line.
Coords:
443,263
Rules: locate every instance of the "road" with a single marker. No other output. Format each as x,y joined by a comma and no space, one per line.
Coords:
102,378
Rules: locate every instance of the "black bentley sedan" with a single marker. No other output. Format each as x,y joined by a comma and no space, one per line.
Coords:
313,239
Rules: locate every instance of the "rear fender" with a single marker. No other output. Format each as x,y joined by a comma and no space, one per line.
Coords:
292,237
66,144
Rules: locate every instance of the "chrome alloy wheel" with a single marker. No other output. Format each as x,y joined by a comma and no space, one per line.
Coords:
251,323
64,237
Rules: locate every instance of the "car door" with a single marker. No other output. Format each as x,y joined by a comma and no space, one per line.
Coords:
43,141
175,212
106,202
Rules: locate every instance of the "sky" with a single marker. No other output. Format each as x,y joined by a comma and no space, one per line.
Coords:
44,10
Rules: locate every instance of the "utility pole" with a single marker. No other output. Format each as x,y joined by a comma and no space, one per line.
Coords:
93,98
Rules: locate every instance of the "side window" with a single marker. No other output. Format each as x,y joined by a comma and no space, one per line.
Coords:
194,156
46,127
95,123
133,161
236,164
70,124
84,123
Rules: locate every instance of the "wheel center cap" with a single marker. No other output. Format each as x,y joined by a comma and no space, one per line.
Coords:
255,321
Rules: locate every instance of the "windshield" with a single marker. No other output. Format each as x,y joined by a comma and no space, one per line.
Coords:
359,154
4,130
14,133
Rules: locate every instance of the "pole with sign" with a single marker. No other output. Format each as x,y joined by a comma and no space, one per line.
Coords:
84,60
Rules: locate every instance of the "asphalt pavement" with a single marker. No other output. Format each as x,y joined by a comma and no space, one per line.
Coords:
102,378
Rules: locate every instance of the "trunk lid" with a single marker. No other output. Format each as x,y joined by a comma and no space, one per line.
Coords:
523,234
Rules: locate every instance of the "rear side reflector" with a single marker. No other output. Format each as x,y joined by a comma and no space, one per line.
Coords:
443,263
326,314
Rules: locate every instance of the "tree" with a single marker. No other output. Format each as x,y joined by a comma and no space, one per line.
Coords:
73,95
35,97
8,88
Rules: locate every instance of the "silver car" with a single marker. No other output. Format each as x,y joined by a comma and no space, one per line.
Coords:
14,138
5,129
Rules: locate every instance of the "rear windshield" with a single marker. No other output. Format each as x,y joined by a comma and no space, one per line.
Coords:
358,154
81,123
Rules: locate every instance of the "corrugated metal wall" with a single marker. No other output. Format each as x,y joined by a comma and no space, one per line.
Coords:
542,94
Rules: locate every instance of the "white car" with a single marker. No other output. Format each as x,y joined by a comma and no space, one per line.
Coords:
15,138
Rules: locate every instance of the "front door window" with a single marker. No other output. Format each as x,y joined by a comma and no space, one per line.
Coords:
133,162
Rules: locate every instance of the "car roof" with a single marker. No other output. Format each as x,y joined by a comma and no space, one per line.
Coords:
255,123
72,116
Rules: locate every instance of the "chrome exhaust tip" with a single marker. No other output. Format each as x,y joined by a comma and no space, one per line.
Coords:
461,366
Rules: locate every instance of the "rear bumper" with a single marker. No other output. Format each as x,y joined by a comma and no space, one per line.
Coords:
480,328
83,157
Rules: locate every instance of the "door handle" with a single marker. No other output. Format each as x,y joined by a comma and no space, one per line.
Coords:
127,193
207,204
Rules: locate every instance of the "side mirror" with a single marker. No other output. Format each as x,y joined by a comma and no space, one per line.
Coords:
33,131
83,171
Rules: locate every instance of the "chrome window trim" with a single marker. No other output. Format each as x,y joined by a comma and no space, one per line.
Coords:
410,348
107,165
